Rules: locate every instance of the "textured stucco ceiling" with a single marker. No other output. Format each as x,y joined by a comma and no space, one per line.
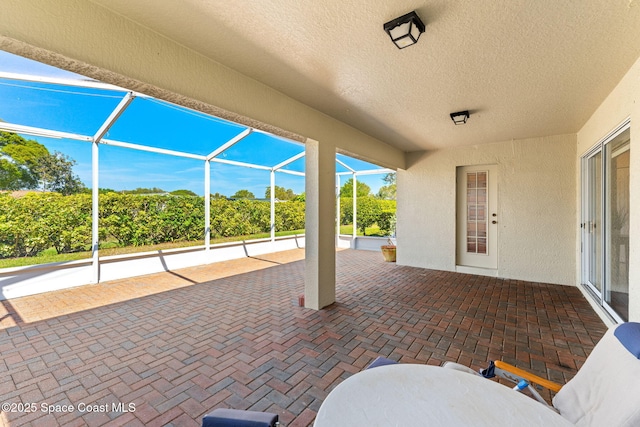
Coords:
524,68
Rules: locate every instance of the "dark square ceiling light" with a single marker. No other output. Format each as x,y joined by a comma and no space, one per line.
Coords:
406,30
460,117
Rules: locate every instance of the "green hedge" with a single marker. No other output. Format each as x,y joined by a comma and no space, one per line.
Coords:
39,221
370,210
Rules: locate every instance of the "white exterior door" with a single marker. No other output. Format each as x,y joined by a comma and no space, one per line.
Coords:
477,217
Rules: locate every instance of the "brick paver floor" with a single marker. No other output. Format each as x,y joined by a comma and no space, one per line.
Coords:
170,347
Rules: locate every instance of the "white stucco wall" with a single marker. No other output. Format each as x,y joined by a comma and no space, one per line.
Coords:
622,103
536,207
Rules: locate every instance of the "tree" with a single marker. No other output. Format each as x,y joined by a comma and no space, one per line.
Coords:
55,173
218,196
26,164
388,192
346,190
25,152
14,176
18,160
243,194
390,178
281,193
143,190
183,193
368,212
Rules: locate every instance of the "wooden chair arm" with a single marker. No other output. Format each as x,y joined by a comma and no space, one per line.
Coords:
528,376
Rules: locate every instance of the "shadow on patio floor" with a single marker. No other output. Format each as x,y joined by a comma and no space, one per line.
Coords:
57,303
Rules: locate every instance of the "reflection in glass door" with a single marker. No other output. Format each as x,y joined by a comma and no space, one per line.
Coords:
605,223
617,155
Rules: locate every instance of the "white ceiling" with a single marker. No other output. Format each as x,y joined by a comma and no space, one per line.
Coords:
524,68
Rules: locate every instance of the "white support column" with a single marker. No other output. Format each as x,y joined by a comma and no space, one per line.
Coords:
355,208
337,209
273,206
95,214
320,251
207,206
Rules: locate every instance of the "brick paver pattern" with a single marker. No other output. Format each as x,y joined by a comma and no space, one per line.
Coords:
178,344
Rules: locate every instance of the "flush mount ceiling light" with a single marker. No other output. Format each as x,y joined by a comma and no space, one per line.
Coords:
460,117
406,30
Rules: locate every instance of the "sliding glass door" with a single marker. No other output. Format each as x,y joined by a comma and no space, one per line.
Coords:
605,223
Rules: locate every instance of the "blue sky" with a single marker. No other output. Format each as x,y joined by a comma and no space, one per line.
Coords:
153,123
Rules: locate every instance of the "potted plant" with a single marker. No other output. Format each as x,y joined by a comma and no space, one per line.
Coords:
387,223
389,251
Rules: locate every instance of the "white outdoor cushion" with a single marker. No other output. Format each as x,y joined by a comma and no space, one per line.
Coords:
606,390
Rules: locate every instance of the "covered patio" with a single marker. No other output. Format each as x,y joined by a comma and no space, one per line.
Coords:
551,91
182,343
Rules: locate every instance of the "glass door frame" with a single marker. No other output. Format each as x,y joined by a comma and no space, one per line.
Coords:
586,223
590,230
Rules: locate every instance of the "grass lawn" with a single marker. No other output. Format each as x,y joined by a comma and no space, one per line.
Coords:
372,231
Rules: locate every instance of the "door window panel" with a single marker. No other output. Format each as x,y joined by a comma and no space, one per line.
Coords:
477,212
